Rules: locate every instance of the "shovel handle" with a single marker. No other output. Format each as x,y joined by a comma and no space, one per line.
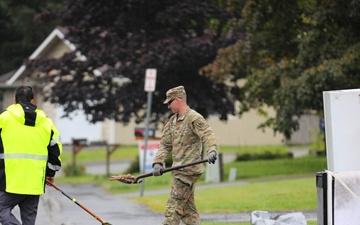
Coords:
165,170
183,166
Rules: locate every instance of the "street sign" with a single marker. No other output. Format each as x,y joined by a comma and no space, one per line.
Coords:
151,149
150,80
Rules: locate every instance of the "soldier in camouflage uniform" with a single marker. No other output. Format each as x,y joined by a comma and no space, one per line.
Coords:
186,134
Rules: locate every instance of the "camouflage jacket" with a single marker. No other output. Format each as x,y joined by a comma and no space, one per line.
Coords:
186,136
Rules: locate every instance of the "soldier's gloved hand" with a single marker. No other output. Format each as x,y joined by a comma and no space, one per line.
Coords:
157,169
212,157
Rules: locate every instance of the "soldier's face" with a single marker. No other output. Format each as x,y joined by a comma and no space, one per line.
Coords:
172,104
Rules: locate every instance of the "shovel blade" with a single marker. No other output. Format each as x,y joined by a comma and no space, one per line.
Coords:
126,179
130,182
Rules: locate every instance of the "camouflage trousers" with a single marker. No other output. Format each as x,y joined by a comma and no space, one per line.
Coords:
181,203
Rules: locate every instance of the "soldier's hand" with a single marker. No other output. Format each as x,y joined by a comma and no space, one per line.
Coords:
157,169
212,157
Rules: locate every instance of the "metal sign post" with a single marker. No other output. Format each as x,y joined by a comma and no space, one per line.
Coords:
150,82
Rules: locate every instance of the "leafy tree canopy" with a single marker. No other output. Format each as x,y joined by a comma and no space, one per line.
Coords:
121,39
20,34
293,51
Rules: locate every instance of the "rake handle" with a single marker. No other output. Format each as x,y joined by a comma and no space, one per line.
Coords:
165,170
77,203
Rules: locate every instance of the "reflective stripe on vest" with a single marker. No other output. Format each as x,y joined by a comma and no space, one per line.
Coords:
53,167
23,156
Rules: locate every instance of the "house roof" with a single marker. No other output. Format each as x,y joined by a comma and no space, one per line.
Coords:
57,34
4,77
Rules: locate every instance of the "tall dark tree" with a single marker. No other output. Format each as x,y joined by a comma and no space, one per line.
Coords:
20,34
294,50
121,39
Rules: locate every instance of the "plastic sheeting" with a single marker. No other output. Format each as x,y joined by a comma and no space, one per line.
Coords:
346,197
264,218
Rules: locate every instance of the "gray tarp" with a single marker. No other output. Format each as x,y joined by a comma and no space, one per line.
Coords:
264,218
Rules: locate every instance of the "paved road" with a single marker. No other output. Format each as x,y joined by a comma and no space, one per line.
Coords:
114,209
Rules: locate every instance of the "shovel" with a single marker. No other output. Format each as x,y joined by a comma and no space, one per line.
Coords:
129,179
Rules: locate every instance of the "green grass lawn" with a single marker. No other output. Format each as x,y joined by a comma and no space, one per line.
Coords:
130,152
294,194
265,168
86,155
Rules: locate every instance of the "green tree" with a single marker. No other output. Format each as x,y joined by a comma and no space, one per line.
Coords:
124,38
292,52
20,33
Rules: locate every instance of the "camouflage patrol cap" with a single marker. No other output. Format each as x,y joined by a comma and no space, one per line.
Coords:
178,91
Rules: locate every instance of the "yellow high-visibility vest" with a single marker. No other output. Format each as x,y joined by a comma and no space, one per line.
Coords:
24,150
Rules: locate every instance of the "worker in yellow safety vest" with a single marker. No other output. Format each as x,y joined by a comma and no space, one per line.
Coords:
30,152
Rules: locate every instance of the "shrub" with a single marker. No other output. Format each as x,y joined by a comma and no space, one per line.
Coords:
77,170
264,155
134,166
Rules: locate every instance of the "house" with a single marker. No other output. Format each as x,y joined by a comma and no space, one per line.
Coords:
235,132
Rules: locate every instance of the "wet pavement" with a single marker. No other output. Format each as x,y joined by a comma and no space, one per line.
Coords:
114,209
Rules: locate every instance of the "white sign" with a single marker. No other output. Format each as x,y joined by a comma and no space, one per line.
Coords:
342,129
150,80
152,147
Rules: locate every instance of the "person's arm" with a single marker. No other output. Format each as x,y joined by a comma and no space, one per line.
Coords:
165,147
207,137
54,153
163,151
